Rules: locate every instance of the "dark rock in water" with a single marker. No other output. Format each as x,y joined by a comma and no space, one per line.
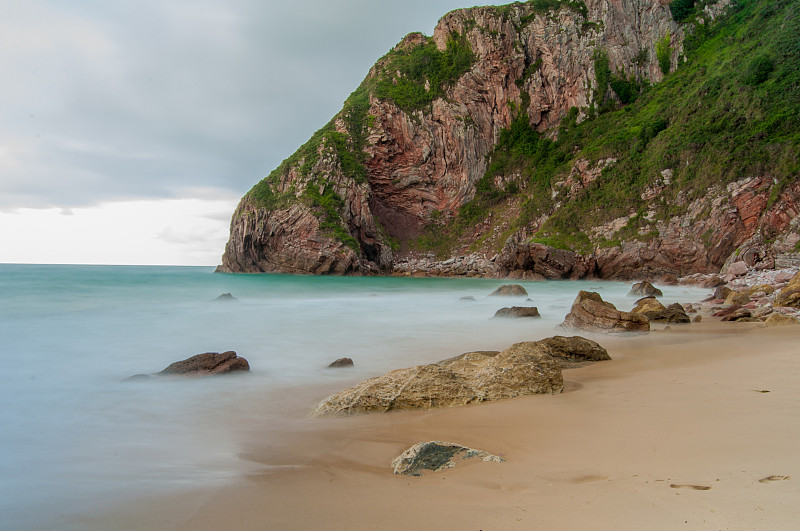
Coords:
575,349
509,290
470,298
226,297
208,364
518,311
341,362
137,378
436,455
591,312
644,289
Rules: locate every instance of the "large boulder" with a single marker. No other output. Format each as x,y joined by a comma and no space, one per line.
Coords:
518,311
790,294
575,349
522,369
590,312
644,289
509,290
436,455
651,308
207,364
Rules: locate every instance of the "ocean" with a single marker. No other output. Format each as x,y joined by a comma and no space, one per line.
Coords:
75,438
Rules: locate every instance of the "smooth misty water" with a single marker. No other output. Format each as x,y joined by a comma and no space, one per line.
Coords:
73,437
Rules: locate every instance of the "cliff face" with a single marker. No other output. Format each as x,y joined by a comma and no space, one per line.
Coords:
408,149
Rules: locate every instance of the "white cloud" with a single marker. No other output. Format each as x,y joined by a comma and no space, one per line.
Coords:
163,232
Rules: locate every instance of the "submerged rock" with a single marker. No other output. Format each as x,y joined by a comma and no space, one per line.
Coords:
522,369
509,290
517,311
644,289
207,364
436,455
226,297
341,362
590,312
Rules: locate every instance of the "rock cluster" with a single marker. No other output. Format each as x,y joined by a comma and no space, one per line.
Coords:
755,296
436,455
590,312
651,308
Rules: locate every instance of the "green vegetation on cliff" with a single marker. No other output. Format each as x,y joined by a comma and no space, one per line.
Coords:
729,111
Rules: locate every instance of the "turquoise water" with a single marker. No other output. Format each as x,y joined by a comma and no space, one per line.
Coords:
74,437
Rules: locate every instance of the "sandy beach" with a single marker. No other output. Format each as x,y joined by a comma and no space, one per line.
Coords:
694,427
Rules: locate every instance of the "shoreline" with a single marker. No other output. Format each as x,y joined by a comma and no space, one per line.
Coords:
623,447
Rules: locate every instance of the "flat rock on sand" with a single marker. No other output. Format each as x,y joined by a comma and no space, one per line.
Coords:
436,455
590,312
522,369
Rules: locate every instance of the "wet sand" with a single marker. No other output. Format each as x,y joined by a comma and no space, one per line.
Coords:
677,431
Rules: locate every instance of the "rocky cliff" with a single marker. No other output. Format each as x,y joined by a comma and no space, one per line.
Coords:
440,152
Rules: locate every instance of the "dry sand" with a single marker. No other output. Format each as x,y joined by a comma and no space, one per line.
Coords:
675,432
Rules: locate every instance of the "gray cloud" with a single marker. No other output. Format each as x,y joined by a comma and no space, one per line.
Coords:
146,99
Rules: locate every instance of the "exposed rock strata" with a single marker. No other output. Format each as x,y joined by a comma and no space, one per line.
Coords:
590,312
436,455
424,165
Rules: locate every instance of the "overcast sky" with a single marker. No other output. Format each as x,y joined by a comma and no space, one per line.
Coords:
130,129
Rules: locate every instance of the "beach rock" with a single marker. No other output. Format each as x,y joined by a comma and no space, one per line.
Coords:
522,369
651,308
722,292
509,290
669,279
517,311
644,289
575,349
697,318
777,319
736,298
725,311
207,364
590,312
790,294
738,269
712,281
341,362
436,455
738,315
226,297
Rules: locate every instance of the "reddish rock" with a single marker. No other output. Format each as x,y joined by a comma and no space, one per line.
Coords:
591,312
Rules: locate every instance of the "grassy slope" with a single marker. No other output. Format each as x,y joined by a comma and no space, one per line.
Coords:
730,110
